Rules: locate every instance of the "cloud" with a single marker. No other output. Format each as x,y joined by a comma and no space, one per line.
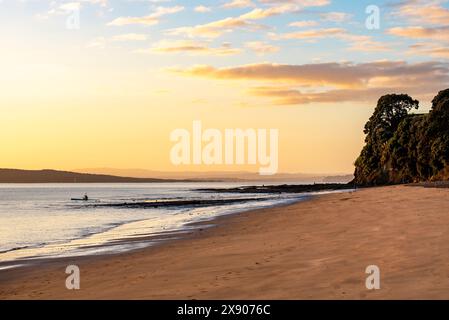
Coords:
337,17
288,96
99,42
333,73
283,7
261,48
363,43
60,9
259,13
429,49
202,9
130,37
190,47
238,4
149,20
70,6
102,3
216,28
303,3
331,82
103,42
357,42
423,12
434,33
301,24
311,34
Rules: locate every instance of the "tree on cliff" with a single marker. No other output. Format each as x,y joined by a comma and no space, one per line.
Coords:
402,147
381,127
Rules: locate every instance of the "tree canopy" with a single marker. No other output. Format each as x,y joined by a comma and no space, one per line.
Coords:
404,147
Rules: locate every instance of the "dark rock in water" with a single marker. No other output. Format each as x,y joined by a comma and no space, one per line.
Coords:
175,203
286,188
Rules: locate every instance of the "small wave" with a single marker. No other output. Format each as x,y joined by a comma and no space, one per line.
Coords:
14,249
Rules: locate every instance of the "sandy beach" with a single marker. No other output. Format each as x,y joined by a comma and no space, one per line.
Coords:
316,249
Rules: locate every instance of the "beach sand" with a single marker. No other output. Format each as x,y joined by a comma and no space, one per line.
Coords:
316,249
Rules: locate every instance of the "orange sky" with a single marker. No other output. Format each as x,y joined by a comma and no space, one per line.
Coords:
110,93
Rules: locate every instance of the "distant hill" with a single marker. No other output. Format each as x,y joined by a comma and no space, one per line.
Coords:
54,176
228,176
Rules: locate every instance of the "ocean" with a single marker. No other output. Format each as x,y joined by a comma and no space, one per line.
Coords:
41,220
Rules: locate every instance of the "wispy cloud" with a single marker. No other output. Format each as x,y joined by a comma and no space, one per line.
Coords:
238,4
190,47
202,9
59,8
260,47
103,42
303,3
273,8
260,13
289,96
102,3
429,49
340,74
363,43
434,33
331,82
337,17
130,37
216,28
148,20
423,12
304,23
310,34
356,42
99,42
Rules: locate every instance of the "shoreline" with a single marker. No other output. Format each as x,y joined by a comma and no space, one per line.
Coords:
152,239
161,241
314,249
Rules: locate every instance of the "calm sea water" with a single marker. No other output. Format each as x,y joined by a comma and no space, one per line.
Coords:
40,220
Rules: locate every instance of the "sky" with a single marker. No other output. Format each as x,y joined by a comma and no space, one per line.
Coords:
102,83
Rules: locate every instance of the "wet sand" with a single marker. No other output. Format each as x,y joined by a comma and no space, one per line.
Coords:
316,249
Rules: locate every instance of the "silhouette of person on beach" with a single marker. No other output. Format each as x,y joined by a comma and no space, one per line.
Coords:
85,198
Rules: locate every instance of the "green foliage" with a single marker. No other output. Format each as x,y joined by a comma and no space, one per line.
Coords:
402,147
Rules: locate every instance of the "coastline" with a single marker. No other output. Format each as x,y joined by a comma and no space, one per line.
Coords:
314,249
120,242
11,268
